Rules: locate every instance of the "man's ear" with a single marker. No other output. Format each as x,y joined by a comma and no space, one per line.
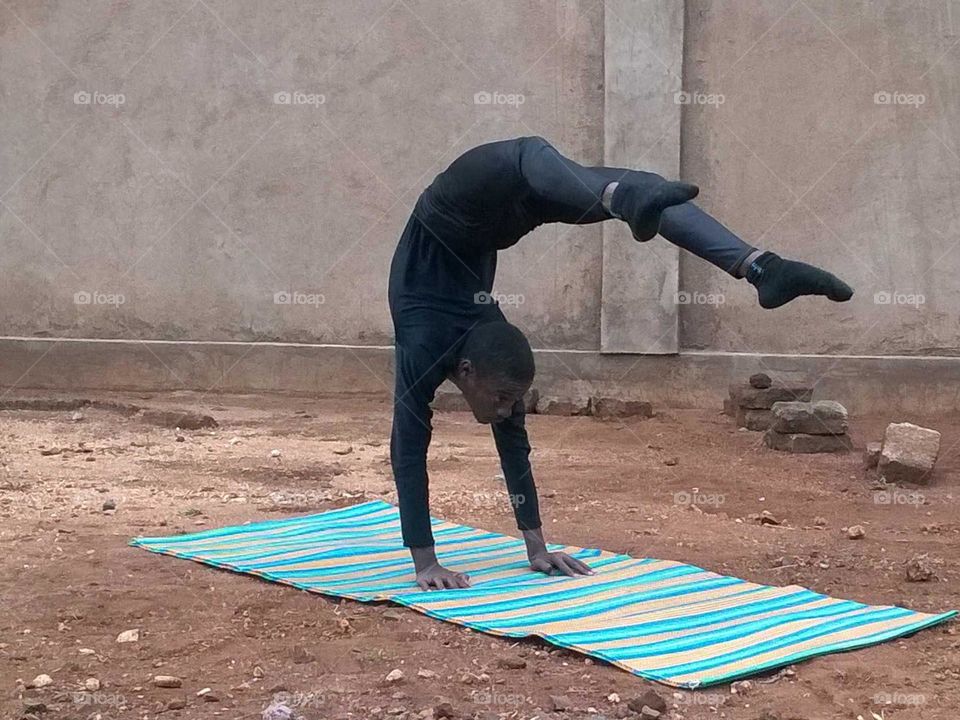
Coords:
464,369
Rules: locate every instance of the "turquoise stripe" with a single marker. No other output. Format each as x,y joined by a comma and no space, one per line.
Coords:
613,603
792,639
691,621
853,643
734,632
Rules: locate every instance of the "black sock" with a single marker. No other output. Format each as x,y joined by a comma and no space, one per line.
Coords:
779,281
641,198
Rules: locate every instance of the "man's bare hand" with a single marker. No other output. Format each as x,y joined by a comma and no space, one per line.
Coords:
437,577
559,563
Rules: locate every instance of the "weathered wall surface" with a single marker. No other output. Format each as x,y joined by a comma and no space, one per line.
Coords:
217,187
146,154
836,142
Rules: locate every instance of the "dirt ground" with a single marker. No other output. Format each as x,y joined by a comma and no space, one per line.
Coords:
69,582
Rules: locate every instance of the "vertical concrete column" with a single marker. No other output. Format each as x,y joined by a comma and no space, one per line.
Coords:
643,57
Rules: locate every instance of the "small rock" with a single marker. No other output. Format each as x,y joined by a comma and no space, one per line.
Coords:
258,671
670,462
167,681
649,699
741,687
909,453
278,710
33,706
177,704
179,438
820,521
444,710
343,450
77,416
871,455
41,680
511,662
91,684
767,518
855,532
760,381
426,673
613,697
649,712
129,636
109,504
394,676
235,440
919,569
274,453
559,703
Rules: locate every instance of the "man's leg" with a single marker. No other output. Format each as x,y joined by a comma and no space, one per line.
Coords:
778,281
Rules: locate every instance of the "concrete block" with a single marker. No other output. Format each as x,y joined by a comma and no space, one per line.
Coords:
753,419
604,407
746,396
800,443
909,453
553,405
825,417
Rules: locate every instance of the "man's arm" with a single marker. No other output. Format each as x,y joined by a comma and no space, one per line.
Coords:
513,446
416,382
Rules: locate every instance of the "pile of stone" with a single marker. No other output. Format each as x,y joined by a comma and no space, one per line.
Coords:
752,403
907,454
808,427
449,399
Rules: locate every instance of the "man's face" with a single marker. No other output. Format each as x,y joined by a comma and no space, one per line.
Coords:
490,398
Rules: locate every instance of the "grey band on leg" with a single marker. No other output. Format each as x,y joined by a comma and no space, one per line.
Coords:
741,270
606,199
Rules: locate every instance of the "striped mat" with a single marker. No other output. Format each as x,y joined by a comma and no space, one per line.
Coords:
674,623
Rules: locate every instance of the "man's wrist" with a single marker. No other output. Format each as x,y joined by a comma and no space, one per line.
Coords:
423,557
534,541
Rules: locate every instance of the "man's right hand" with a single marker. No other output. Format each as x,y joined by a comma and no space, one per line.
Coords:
431,575
437,577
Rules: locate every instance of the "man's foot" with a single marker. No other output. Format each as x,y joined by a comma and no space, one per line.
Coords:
641,199
779,281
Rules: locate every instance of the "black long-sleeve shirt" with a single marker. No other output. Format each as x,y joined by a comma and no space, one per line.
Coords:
441,278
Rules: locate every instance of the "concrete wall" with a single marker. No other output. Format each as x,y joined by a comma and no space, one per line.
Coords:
801,158
146,156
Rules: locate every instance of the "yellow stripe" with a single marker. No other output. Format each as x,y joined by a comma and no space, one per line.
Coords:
772,656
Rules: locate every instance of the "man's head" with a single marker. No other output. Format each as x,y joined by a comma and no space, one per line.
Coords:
494,369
